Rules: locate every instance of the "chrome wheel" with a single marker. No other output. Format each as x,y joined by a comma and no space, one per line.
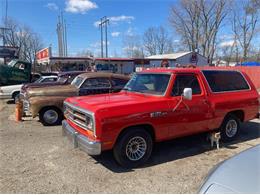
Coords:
136,148
50,116
231,128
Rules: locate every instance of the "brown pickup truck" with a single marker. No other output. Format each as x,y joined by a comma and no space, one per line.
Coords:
48,101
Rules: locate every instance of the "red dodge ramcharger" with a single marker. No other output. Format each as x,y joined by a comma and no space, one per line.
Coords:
158,105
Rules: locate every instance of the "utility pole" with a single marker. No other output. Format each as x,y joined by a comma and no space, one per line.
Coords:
103,23
62,36
101,30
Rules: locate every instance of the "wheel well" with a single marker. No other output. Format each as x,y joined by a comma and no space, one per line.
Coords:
48,107
239,114
15,93
146,127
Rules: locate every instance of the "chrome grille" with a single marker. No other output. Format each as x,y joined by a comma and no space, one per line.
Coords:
26,106
78,116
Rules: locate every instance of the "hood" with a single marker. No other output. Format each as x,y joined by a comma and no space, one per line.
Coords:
37,85
239,174
118,102
59,90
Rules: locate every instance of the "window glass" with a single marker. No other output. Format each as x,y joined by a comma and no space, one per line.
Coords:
48,80
220,81
185,81
119,82
148,83
20,65
77,81
96,83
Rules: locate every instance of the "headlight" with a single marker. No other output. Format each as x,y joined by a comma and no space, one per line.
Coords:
89,123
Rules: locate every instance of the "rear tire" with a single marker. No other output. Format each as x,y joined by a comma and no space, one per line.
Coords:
133,148
50,116
230,128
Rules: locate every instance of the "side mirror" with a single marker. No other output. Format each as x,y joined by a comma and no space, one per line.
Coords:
187,93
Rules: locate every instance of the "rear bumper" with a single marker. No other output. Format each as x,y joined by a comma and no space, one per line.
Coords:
81,141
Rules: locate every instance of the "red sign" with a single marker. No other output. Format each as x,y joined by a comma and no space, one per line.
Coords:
42,54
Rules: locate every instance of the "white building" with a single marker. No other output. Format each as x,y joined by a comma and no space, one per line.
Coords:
175,59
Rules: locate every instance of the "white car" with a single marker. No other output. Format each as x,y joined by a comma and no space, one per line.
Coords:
13,91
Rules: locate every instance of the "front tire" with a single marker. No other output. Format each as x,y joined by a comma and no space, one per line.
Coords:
16,97
133,148
230,128
50,116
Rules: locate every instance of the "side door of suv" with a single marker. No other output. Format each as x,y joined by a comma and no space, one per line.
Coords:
93,86
188,116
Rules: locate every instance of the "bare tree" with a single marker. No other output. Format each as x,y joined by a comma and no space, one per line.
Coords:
132,47
198,23
157,41
150,41
22,37
245,25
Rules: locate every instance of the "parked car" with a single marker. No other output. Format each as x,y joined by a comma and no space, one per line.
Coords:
63,78
48,101
239,174
15,72
157,105
13,91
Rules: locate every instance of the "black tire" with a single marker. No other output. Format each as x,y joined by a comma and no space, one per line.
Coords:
16,96
123,141
226,134
56,121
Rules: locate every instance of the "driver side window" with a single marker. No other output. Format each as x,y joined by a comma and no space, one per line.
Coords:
185,81
94,83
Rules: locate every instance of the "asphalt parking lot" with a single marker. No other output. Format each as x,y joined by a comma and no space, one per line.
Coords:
37,159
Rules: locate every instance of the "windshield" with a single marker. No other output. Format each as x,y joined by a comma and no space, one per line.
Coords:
12,63
62,79
154,84
77,81
38,80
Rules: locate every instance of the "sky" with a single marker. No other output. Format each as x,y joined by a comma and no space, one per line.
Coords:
127,17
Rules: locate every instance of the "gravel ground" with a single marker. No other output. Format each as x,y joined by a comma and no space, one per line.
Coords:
37,159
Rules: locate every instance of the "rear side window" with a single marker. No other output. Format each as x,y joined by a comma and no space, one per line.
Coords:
221,81
186,81
119,82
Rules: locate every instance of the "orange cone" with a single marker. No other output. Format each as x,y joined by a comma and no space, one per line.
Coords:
18,112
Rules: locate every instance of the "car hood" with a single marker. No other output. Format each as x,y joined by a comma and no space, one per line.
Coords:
63,90
36,85
239,174
118,102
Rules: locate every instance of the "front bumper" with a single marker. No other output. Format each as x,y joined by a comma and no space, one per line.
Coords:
81,141
5,96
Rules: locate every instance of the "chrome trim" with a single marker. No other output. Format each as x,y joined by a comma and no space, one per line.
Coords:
227,91
26,106
83,111
81,141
